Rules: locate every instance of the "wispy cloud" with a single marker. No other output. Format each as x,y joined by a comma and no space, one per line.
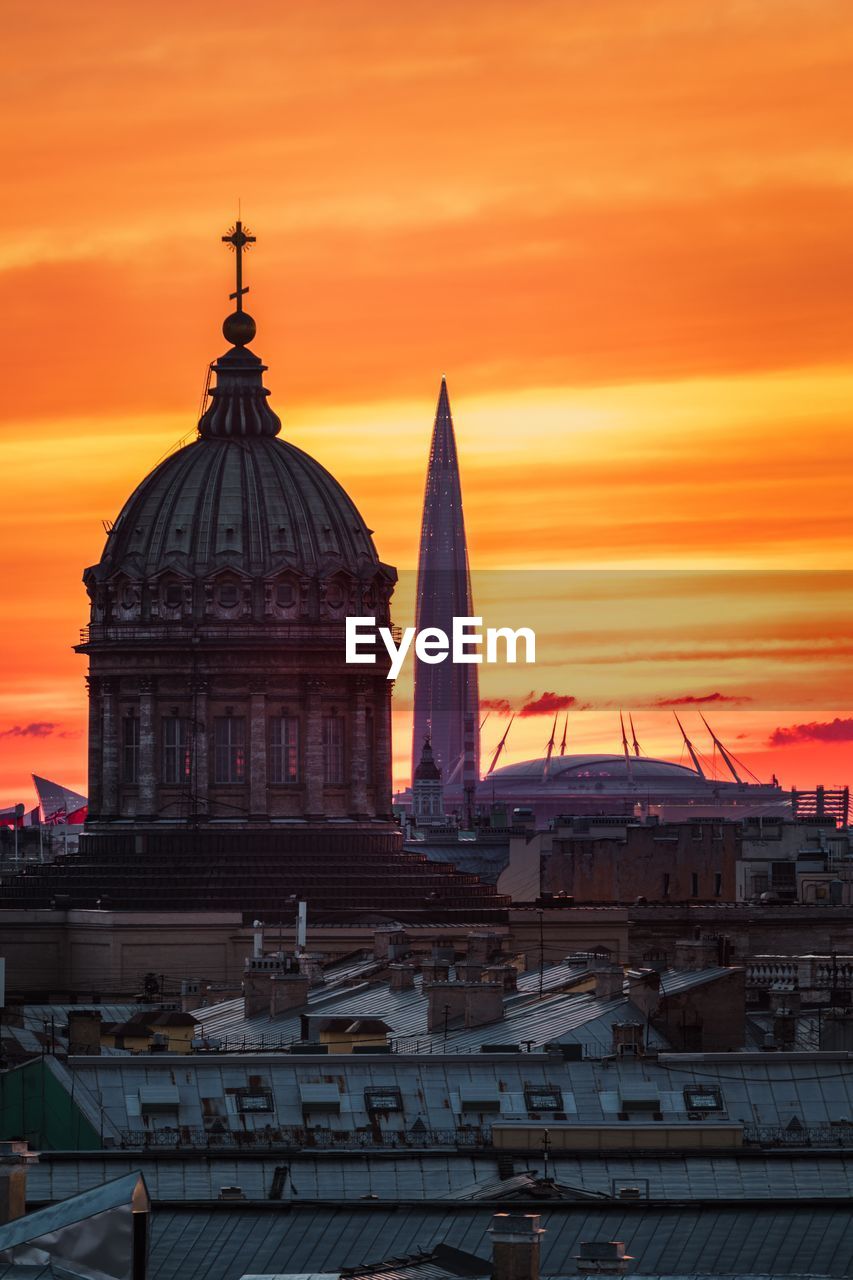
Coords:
38,729
837,730
700,699
546,704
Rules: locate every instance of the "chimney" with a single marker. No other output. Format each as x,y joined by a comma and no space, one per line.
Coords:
484,1002
515,1246
505,974
191,997
287,991
697,953
257,939
311,965
483,947
644,990
257,974
435,970
602,1258
609,982
391,943
14,1158
84,1031
401,977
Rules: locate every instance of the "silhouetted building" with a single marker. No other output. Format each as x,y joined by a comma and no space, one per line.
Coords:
446,693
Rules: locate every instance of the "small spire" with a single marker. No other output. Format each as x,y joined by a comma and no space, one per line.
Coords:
238,402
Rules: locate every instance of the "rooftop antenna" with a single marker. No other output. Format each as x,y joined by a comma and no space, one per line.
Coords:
722,750
689,745
500,747
565,732
635,744
625,748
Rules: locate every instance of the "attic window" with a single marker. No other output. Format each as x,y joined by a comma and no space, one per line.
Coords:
320,1097
640,1098
703,1099
383,1100
480,1098
254,1100
545,1099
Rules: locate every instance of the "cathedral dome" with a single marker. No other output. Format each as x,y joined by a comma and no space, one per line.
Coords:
239,523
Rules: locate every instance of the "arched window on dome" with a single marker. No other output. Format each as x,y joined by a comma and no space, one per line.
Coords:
336,594
228,594
171,595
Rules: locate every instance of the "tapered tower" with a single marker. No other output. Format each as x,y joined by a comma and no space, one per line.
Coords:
446,694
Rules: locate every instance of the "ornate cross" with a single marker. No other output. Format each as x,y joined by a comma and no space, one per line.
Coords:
239,240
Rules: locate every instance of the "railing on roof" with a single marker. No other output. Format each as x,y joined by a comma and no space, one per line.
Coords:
798,1135
212,1043
301,1137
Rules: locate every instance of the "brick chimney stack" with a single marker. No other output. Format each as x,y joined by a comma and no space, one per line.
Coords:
14,1158
515,1246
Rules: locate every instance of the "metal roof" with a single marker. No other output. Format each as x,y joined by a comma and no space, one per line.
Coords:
674,981
527,1018
66,1213
682,1240
755,1089
448,1175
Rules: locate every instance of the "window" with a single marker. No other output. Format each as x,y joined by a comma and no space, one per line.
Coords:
229,737
369,747
285,594
703,1099
694,885
718,884
666,884
254,1100
173,595
176,750
130,748
543,1099
333,750
284,749
229,595
389,1099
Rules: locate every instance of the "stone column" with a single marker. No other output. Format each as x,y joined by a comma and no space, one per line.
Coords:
258,805
110,750
95,747
358,749
382,748
200,767
147,802
314,761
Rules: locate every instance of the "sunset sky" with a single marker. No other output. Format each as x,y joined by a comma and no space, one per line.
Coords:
622,230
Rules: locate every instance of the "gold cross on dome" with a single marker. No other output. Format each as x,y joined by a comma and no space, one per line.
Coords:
239,238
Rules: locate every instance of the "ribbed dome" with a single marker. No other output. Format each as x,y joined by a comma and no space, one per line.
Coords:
258,505
238,504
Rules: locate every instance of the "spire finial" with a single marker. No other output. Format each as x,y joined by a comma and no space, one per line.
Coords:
239,328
